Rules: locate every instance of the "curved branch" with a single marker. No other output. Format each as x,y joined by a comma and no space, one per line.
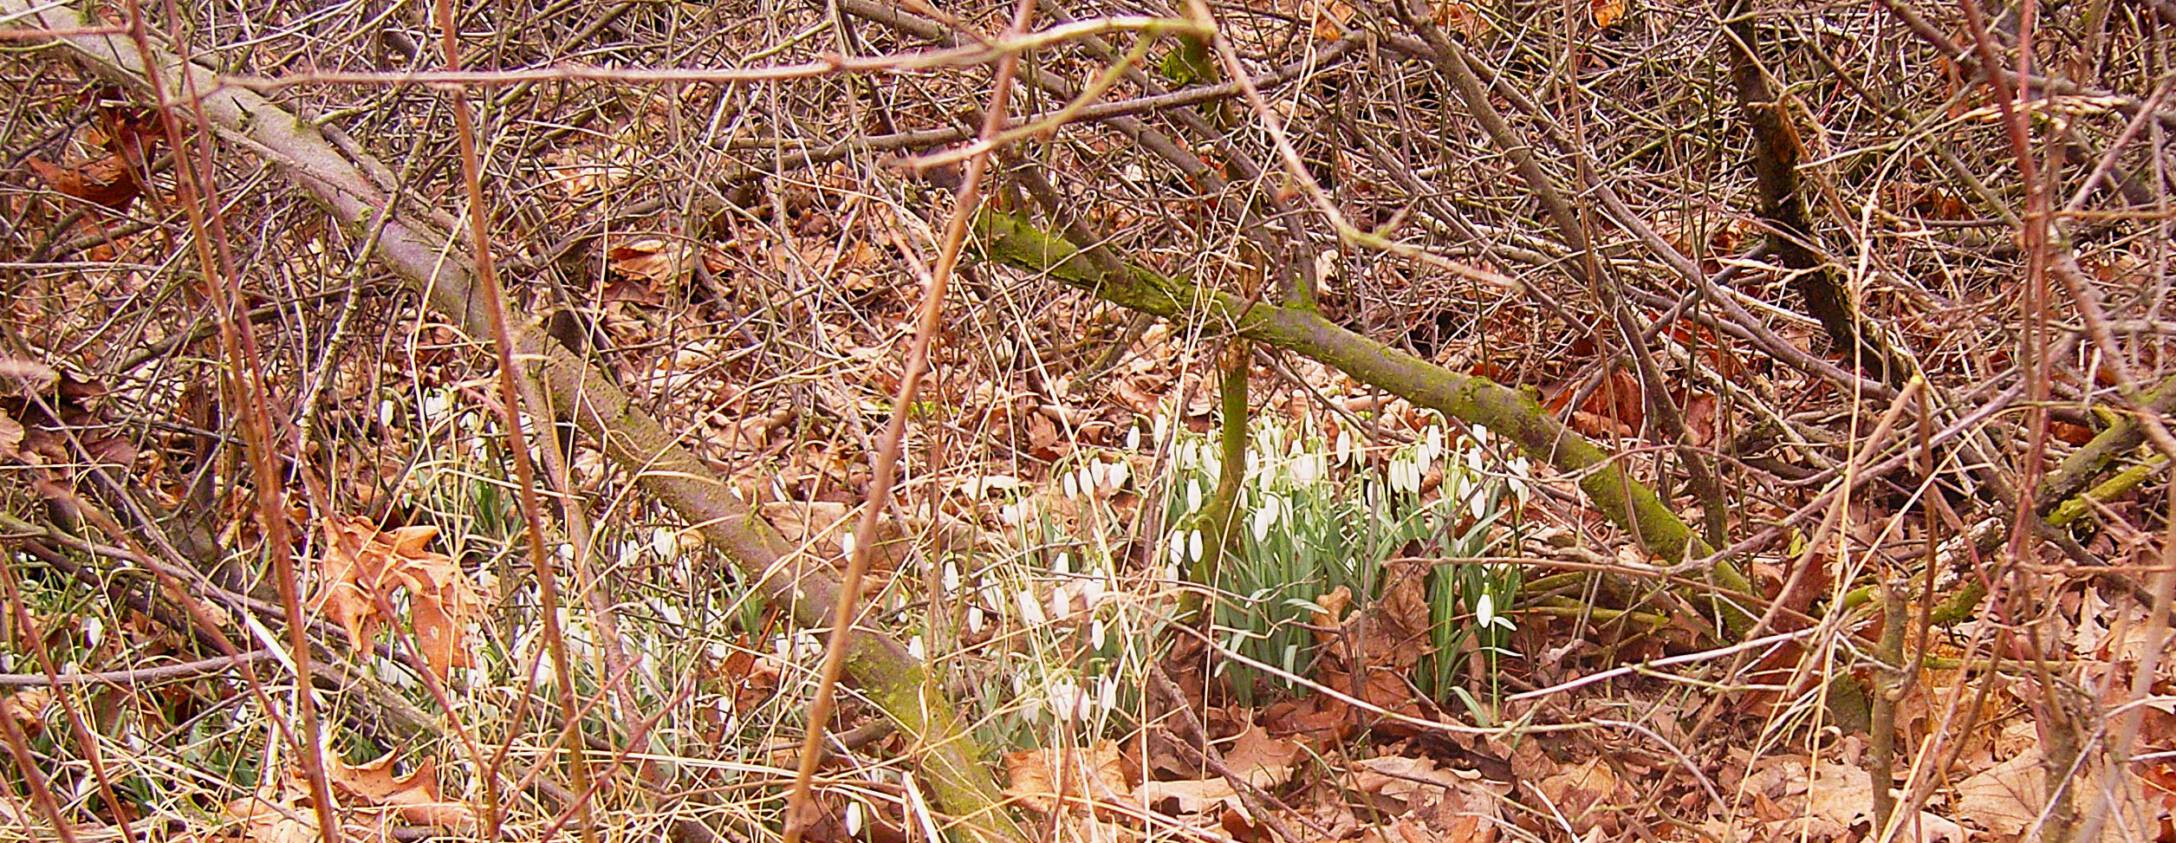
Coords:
1511,413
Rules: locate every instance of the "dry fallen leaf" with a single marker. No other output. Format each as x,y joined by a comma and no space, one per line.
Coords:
363,566
26,707
414,797
1091,774
1607,12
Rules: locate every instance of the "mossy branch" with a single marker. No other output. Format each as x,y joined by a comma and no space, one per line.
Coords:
1514,414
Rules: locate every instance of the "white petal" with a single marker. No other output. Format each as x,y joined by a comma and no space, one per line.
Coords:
1097,633
1133,438
1031,609
1193,545
1484,610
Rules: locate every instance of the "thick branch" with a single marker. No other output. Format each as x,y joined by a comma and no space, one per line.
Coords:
1513,414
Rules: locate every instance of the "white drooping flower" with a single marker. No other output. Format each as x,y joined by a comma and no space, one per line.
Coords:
1344,446
1072,485
1434,442
917,650
974,620
1178,547
1484,614
1063,564
665,542
853,819
1307,469
1106,693
1520,471
1096,633
1193,545
1265,518
951,576
1031,609
1133,437
1118,473
847,540
1193,496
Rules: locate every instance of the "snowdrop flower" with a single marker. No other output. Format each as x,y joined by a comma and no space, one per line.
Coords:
853,819
805,646
1193,496
1062,699
847,541
1433,444
1133,437
1193,545
1484,614
1072,485
1344,447
435,403
1307,469
1159,425
1063,565
917,650
1097,634
1061,603
951,576
1178,546
1092,591
1119,472
974,620
385,413
1031,609
1520,472
94,631
1265,518
1088,475
1106,693
1211,466
665,542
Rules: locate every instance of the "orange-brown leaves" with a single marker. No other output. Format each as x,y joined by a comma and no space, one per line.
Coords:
363,567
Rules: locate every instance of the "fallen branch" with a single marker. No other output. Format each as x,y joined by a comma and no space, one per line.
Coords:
429,258
1514,414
